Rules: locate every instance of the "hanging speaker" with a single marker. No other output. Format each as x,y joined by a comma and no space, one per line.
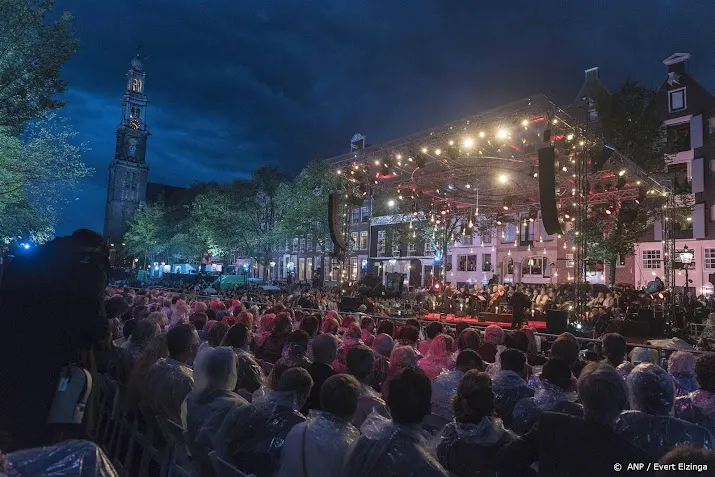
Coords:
547,135
334,223
599,161
547,191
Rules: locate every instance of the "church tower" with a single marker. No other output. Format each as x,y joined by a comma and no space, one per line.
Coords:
128,172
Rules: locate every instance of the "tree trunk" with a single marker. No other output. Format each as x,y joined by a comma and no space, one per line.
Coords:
612,271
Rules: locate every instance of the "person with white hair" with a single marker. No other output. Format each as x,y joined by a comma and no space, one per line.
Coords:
649,423
211,399
681,367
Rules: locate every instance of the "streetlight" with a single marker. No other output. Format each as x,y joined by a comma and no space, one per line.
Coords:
686,258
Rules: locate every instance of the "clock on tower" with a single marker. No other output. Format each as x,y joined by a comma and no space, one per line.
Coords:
128,172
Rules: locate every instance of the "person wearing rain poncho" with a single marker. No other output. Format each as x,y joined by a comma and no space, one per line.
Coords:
509,384
360,363
74,458
553,393
398,447
681,367
444,388
699,406
439,357
649,424
252,436
317,447
469,443
212,398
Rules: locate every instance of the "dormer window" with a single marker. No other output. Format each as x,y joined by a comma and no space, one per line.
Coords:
137,85
592,115
677,100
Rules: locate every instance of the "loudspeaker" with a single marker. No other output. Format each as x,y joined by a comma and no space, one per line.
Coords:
600,160
547,135
350,304
547,191
556,322
334,223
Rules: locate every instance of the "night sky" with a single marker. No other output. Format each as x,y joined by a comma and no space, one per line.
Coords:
235,85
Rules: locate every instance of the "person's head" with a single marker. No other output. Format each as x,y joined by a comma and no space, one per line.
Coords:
266,321
325,348
441,346
474,399
410,334
705,372
519,341
566,349
309,324
198,319
237,336
681,363
360,362
410,397
614,348
383,344
128,328
469,359
460,326
183,342
296,343
339,396
403,357
387,327
116,306
352,331
651,390
144,332
330,326
433,329
468,338
140,312
513,360
160,319
368,324
494,335
643,355
215,334
282,324
412,322
215,368
602,392
701,459
297,381
245,317
557,372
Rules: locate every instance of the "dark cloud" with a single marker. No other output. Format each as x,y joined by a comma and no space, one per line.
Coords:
237,85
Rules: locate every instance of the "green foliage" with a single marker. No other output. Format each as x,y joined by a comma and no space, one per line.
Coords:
147,228
32,52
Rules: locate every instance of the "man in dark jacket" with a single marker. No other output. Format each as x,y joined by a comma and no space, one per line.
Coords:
51,313
569,446
519,303
272,348
325,348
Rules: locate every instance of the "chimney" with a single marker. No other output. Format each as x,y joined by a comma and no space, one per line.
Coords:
677,63
592,74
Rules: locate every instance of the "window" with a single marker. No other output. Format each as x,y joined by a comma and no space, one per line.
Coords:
309,242
294,248
487,237
467,239
682,184
137,85
486,262
592,115
509,233
621,261
448,263
678,138
301,269
471,263
354,238
412,247
365,213
461,263
711,125
534,266
356,215
429,248
353,268
395,239
709,254
510,266
363,240
302,245
380,243
308,269
651,259
677,100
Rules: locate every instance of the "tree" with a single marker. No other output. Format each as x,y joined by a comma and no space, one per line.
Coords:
35,169
146,234
32,52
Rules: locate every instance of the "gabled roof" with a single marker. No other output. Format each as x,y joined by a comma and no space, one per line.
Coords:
592,86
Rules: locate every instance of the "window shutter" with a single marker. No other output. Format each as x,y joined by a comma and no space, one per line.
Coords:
658,231
698,183
696,132
699,221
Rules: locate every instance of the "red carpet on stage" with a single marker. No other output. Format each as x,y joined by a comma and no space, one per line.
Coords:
539,325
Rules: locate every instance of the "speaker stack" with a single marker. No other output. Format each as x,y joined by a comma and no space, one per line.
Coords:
335,223
547,190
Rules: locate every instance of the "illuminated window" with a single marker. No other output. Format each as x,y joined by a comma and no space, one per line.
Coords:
354,239
363,240
677,100
380,243
353,268
709,258
651,259
137,85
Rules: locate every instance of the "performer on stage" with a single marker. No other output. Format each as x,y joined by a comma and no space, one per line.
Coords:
519,303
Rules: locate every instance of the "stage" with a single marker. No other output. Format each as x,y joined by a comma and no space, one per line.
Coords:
486,319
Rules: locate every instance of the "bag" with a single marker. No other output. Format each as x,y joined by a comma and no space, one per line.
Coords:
73,389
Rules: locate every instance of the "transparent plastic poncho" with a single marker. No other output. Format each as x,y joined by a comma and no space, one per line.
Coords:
68,459
697,407
546,397
439,357
387,449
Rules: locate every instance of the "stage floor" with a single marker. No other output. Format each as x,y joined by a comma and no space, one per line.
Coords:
539,325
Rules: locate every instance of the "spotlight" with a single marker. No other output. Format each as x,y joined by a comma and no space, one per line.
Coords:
608,212
506,204
438,152
468,143
450,187
390,203
569,137
481,134
502,134
377,162
622,173
424,150
503,178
